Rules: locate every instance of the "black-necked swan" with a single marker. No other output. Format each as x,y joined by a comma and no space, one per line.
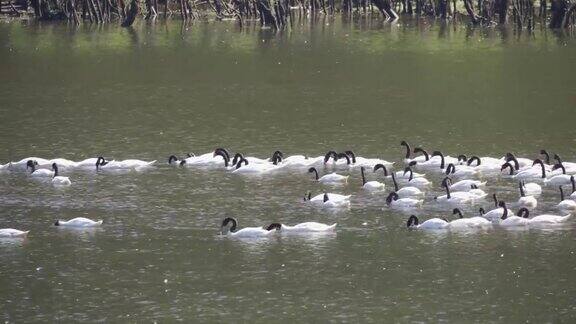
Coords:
496,214
453,198
430,224
23,164
470,222
560,179
418,182
529,173
328,178
38,172
529,202
460,171
328,199
569,166
519,163
408,158
59,180
520,219
424,154
78,222
12,233
566,204
394,201
371,185
546,156
405,192
245,232
307,227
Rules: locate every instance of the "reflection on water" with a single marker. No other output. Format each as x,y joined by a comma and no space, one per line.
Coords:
165,88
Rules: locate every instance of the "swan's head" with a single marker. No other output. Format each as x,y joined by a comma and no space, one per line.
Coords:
172,158
462,158
330,154
351,154
57,223
501,204
507,165
54,167
546,155
225,222
481,211
100,161
559,166
557,158
274,226
223,151
381,166
457,211
412,221
450,169
308,196
404,143
31,164
182,163
523,212
412,163
223,155
446,182
391,197
326,198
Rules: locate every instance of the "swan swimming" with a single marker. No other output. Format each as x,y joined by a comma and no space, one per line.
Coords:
371,185
430,224
78,222
307,227
59,180
246,231
12,233
328,178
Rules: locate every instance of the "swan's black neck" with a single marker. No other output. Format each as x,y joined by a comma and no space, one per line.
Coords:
404,143
313,170
274,226
172,158
228,220
522,194
326,198
559,166
363,176
392,196
330,154
457,211
55,168
381,166
351,155
505,212
561,194
538,161
450,169
394,181
438,153
412,221
495,200
573,184
472,159
523,212
421,150
546,155
507,165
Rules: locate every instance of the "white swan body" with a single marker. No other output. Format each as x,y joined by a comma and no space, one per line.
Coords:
405,203
549,219
514,221
430,224
333,178
529,202
558,180
87,163
472,222
466,185
370,163
373,186
531,189
456,198
247,232
78,222
533,173
128,164
308,227
567,204
207,159
61,181
22,164
10,232
406,192
65,163
44,173
418,182
496,214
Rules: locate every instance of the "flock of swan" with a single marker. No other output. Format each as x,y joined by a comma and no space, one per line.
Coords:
463,182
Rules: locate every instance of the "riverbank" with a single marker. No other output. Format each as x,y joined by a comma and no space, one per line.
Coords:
280,14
